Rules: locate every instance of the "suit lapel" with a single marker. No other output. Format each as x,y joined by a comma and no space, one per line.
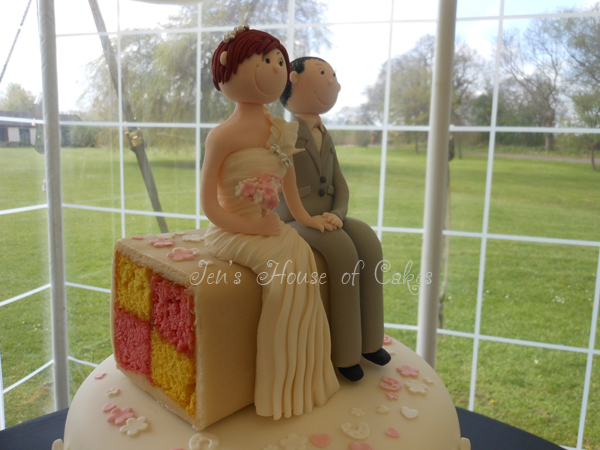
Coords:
311,148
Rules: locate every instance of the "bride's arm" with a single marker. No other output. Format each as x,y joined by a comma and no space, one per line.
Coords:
268,225
292,198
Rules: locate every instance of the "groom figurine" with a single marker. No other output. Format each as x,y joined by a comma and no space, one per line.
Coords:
350,247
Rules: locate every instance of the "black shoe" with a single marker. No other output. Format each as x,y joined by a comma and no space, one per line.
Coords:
353,373
380,357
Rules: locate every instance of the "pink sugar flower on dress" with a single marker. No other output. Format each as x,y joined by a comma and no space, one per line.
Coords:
407,371
248,189
264,190
119,416
161,242
181,254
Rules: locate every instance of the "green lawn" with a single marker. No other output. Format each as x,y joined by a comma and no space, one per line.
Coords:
532,291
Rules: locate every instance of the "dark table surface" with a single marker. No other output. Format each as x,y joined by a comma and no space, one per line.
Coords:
484,433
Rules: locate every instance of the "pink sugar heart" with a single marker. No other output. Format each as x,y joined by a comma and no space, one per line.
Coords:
108,407
100,375
387,340
392,396
363,446
320,440
392,432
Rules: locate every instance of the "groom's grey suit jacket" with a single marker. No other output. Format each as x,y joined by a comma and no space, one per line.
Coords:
321,185
356,307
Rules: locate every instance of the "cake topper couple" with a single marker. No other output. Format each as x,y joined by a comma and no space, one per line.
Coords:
250,159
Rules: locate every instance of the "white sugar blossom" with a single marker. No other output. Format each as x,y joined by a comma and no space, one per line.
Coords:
358,412
416,387
134,426
113,391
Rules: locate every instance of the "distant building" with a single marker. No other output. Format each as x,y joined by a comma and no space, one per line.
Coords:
23,134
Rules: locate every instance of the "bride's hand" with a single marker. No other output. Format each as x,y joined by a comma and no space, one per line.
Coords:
269,225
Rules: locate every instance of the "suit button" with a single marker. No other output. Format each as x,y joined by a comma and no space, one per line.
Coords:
321,192
323,179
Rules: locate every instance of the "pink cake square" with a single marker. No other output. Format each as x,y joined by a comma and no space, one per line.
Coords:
173,314
132,342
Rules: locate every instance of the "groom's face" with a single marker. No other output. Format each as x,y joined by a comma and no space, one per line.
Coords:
315,90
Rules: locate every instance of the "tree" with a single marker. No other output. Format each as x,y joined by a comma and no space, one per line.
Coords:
535,61
410,87
16,98
579,37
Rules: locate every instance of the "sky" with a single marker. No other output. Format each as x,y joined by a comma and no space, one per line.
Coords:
359,48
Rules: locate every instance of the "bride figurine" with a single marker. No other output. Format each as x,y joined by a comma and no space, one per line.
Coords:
247,165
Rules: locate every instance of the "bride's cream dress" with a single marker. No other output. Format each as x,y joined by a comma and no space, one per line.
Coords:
293,362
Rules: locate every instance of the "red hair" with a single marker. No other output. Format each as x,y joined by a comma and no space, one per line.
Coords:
245,44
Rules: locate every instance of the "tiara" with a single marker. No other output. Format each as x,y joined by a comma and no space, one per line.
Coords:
231,35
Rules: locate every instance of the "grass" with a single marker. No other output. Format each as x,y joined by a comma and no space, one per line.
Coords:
532,291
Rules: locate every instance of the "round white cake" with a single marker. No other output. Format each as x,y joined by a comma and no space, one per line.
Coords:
403,406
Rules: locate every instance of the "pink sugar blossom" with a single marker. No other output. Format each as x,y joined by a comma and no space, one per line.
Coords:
407,371
120,416
181,254
161,242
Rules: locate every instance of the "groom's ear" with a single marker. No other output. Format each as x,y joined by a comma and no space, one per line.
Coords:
294,77
223,58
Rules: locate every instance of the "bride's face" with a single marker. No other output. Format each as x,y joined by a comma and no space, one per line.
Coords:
259,79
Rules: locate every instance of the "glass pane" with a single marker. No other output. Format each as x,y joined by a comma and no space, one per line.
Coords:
84,83
460,258
453,365
89,247
77,375
422,10
31,399
136,15
516,7
530,391
477,8
159,76
76,17
401,292
412,66
549,77
172,156
360,100
591,436
361,168
90,167
405,179
25,336
473,72
227,13
24,66
345,11
539,292
468,168
537,195
24,259
25,346
407,337
138,225
23,172
89,325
